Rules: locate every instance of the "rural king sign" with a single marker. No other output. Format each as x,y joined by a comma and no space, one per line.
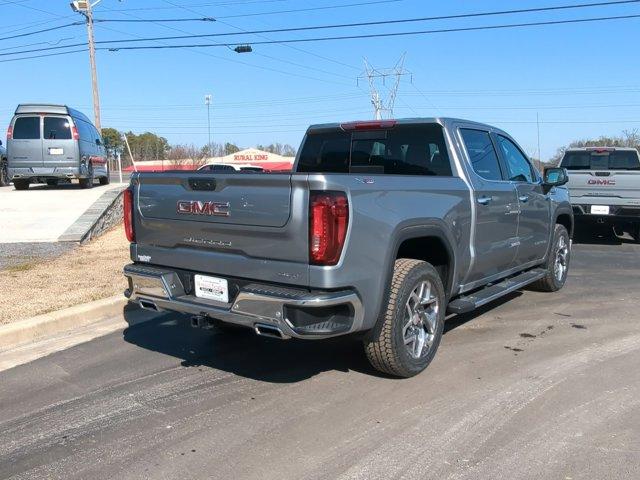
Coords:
251,157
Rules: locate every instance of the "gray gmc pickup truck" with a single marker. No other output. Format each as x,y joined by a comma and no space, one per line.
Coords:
604,184
381,229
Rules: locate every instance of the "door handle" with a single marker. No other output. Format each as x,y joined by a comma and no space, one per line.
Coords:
484,200
523,198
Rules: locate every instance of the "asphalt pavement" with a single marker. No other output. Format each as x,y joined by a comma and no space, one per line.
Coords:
536,386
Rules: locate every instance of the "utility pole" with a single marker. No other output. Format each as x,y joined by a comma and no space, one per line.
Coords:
207,102
84,8
538,124
377,76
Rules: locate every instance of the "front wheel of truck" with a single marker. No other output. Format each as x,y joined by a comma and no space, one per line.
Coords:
557,264
407,335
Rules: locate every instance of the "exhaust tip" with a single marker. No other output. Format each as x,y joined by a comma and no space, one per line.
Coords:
269,331
147,305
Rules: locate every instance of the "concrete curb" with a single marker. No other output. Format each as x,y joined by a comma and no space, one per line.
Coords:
103,213
40,326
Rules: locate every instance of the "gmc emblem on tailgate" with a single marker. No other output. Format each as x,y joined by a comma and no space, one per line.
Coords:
599,181
194,207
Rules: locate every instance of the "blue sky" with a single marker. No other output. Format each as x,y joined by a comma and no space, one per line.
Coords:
581,79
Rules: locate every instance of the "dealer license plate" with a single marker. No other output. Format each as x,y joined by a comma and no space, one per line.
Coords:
212,288
599,210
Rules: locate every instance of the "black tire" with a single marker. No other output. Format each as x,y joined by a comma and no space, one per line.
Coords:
105,180
52,182
386,347
21,184
552,282
636,233
87,182
4,172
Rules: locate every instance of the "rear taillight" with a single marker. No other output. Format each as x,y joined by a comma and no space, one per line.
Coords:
127,207
328,222
74,133
9,132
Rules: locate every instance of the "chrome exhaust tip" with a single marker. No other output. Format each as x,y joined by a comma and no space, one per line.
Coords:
148,305
269,331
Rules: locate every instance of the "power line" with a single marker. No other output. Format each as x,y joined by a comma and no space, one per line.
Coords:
406,20
251,65
309,9
154,20
44,55
50,29
381,35
376,23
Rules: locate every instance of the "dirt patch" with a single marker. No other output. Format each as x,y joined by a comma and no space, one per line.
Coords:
88,272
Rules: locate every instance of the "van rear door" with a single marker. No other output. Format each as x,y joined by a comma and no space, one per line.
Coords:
59,149
25,145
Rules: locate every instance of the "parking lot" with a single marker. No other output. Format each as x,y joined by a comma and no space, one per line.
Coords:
534,386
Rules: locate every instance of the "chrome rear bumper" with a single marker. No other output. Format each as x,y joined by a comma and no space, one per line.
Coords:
255,305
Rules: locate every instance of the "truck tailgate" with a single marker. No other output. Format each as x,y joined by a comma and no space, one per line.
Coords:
244,225
618,187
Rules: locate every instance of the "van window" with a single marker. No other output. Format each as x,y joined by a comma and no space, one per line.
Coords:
57,128
84,129
400,150
26,128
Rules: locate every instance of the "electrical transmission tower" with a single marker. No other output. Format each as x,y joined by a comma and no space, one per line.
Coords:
389,78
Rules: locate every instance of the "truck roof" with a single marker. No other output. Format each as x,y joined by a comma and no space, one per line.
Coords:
408,121
50,108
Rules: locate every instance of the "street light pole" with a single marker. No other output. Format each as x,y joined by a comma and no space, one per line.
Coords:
84,7
207,102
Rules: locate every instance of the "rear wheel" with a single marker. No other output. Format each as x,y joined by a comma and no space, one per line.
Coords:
408,334
87,182
4,172
106,179
557,265
52,182
636,233
21,184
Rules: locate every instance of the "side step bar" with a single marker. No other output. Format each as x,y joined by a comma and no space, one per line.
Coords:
494,291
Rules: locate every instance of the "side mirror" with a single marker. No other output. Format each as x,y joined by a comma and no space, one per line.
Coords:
98,142
555,177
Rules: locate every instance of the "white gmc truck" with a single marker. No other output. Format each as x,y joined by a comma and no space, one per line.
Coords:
604,185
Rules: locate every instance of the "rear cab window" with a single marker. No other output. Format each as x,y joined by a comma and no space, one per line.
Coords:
601,159
57,128
399,150
26,128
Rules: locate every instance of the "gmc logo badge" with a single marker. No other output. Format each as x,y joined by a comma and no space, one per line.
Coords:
218,209
599,181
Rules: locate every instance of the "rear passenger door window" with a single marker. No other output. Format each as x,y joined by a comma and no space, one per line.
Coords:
57,128
518,167
26,128
482,154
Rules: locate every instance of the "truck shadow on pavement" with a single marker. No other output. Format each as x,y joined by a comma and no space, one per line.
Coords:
599,236
260,358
